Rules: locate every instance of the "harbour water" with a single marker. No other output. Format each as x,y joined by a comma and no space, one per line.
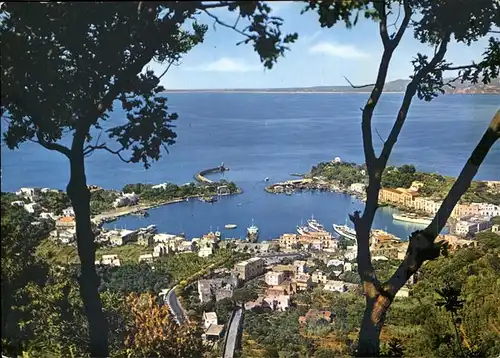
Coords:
272,135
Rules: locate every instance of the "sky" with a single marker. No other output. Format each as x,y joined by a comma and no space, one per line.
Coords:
320,57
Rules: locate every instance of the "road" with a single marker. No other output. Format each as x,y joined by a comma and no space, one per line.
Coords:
232,335
175,306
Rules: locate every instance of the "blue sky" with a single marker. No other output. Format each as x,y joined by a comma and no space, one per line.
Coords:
320,57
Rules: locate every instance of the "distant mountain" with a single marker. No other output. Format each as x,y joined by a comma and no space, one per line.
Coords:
392,86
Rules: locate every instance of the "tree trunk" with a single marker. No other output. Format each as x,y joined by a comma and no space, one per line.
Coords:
371,325
89,281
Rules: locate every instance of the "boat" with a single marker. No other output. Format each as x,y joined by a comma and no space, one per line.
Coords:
209,199
266,179
252,233
141,213
230,226
345,231
315,225
304,230
412,218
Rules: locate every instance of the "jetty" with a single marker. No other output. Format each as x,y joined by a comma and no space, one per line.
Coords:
201,176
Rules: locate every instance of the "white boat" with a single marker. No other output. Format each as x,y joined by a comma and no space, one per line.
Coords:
267,179
315,225
252,233
230,226
412,218
345,231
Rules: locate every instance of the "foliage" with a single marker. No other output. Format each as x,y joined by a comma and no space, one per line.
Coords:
102,201
345,173
398,177
138,278
155,334
54,202
172,191
244,295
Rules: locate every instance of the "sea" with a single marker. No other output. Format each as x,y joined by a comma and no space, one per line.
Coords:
271,135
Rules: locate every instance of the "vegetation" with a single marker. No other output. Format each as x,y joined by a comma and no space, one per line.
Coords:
54,202
345,173
172,191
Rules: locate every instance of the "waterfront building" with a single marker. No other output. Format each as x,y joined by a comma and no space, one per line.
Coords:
122,237
126,200
250,268
274,278
472,226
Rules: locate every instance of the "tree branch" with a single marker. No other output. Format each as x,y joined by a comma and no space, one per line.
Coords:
404,23
421,247
360,86
51,146
91,148
384,35
233,27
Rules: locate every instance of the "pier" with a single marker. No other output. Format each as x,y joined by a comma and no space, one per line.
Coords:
201,176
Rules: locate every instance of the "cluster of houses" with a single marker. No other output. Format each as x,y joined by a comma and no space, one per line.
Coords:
472,218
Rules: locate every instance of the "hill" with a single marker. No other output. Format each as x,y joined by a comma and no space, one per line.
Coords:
392,86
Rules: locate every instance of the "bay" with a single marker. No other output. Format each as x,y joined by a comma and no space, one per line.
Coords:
271,135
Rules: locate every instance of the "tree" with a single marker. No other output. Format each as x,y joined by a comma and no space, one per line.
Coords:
62,73
435,23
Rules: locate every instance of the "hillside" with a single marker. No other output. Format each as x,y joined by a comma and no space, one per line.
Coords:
392,86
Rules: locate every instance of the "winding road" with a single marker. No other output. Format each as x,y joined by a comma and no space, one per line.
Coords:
175,307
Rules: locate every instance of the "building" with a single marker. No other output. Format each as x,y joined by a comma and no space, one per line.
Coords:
358,188
122,237
314,315
30,193
495,228
68,211
278,303
335,286
319,277
145,239
205,251
109,260
126,200
273,278
250,268
217,288
472,226
160,250
209,318
302,282
66,222
32,207
300,266
148,258
214,333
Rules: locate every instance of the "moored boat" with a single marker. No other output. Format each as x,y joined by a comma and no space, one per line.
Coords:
412,218
252,233
230,226
345,231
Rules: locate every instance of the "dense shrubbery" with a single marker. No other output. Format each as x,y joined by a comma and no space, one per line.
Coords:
102,201
345,173
55,202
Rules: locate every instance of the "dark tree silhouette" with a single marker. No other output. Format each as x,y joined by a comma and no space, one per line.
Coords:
65,65
436,23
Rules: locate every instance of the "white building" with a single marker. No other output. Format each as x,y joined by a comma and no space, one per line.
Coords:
278,302
209,318
30,193
300,266
161,250
335,286
109,260
472,226
274,278
335,262
319,277
19,203
358,188
146,258
205,251
126,200
487,210
32,207
69,211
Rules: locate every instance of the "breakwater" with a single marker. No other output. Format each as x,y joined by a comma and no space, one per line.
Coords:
201,176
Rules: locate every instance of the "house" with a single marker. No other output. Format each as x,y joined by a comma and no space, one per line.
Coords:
161,250
314,315
205,251
148,258
223,190
278,303
66,222
319,277
48,216
109,260
30,193
145,239
209,318
303,281
250,268
472,225
288,270
213,333
335,262
32,207
217,288
67,236
335,286
69,211
126,199
347,266
273,278
300,266
19,203
122,237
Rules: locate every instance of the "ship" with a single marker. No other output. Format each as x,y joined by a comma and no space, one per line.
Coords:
230,226
209,199
412,218
304,230
315,225
345,231
252,233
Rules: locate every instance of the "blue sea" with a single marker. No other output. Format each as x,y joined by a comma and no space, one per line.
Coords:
273,135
